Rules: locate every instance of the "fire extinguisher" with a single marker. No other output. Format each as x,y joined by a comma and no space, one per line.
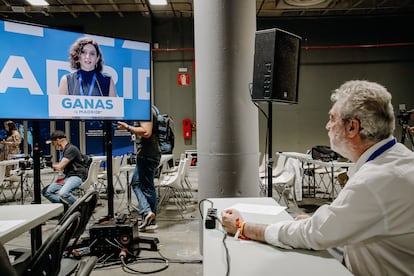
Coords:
187,128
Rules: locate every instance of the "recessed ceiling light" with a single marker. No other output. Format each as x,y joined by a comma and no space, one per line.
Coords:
304,3
18,9
38,2
158,2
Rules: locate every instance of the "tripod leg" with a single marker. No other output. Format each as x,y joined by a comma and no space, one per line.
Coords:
403,133
410,136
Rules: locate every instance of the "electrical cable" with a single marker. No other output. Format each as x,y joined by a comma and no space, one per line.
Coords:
225,248
224,233
199,206
180,261
131,270
126,268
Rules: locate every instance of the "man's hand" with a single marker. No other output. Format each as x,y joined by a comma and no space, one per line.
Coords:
122,125
228,219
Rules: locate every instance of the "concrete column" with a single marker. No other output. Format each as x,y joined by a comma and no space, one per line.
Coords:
227,120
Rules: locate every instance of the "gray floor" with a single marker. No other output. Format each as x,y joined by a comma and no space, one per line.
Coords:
178,238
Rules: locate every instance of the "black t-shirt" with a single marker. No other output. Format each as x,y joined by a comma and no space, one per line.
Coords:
149,146
75,166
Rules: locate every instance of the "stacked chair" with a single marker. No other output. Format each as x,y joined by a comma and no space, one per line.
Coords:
174,187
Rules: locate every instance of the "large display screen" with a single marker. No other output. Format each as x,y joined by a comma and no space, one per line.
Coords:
33,60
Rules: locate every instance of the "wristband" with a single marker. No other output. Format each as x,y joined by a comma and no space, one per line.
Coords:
240,228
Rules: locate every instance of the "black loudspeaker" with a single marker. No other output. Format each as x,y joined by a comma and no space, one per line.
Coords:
276,66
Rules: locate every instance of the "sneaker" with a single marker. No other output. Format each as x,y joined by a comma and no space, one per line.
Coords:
147,220
149,229
65,201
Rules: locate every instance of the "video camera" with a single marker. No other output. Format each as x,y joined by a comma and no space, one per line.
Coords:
404,115
26,163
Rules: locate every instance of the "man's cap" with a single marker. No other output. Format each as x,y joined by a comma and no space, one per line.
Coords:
56,135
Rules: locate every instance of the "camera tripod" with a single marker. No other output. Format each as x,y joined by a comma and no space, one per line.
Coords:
406,133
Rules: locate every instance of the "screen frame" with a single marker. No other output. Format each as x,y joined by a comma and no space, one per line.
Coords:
16,102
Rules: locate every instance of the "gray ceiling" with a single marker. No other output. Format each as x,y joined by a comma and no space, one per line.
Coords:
184,8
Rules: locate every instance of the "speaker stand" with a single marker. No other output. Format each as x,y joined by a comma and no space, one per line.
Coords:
269,161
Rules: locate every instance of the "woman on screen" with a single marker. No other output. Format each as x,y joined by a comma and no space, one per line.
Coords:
86,58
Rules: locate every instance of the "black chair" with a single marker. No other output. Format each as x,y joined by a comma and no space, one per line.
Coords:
86,266
85,205
46,260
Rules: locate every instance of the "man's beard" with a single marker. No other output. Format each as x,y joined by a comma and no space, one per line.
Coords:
338,144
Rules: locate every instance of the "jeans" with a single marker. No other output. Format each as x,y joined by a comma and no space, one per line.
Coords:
143,183
54,191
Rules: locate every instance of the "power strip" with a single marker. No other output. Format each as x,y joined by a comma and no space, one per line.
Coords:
211,217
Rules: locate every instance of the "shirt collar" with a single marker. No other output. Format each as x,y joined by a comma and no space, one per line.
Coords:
364,157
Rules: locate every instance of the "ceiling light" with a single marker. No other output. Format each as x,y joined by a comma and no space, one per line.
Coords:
158,2
38,2
18,9
304,3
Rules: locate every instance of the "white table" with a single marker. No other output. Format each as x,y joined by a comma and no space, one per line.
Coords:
330,166
18,219
253,258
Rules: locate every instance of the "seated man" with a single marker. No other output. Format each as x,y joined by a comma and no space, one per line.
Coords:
372,217
73,168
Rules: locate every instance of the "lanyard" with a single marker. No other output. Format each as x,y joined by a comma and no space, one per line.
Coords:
90,87
60,155
383,148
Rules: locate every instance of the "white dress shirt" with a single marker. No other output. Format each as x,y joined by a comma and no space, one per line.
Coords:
372,217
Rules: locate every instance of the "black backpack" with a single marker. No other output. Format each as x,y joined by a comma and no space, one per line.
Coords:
324,153
164,131
86,160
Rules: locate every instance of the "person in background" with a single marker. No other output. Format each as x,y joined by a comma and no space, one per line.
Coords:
372,217
148,158
11,145
86,58
73,168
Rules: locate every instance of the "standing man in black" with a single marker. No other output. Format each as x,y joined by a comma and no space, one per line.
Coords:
148,158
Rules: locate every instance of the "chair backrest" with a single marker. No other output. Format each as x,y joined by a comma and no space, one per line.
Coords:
46,261
180,174
124,161
116,165
2,172
185,168
85,206
175,179
3,165
262,165
280,165
92,175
